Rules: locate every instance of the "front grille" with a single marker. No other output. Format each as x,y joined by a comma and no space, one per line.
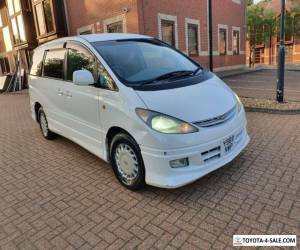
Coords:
217,120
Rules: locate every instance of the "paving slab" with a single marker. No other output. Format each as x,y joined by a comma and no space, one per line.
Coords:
56,195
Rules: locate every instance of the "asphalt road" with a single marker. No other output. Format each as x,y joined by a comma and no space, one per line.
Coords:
262,84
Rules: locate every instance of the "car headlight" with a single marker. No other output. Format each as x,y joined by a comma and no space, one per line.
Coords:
164,123
239,103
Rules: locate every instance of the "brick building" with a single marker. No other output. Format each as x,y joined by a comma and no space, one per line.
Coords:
182,23
25,24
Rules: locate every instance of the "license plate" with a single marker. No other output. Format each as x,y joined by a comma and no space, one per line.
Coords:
228,143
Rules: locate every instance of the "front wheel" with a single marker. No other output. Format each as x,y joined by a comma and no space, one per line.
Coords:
127,162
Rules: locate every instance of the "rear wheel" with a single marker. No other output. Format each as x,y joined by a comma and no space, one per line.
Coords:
46,132
127,162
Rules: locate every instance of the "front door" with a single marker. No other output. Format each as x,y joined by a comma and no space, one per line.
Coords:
82,102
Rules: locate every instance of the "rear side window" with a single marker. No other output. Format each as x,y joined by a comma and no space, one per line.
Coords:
54,64
37,63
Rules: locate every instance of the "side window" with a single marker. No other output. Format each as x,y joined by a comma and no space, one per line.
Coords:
78,60
37,63
54,64
104,80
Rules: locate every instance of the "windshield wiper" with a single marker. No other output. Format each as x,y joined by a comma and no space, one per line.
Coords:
197,70
170,75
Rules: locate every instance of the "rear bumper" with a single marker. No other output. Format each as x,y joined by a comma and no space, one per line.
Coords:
203,159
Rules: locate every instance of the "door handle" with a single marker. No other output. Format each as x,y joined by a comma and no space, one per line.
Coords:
60,93
68,94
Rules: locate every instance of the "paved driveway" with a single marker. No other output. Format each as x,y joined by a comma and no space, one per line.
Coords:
54,194
262,84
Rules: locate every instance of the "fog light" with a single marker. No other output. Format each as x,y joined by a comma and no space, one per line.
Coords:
184,162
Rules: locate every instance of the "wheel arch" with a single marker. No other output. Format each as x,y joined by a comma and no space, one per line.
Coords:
111,133
37,106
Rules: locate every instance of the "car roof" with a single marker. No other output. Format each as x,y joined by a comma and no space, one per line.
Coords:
111,36
100,37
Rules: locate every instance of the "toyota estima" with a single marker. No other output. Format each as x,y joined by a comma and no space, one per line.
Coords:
156,115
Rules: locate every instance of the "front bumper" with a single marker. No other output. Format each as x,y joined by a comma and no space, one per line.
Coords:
203,159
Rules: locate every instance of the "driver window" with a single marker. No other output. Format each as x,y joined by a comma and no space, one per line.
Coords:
78,60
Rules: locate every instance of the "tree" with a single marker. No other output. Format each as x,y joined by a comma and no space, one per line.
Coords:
250,2
261,24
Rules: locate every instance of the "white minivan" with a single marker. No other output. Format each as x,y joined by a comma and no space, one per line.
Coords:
155,114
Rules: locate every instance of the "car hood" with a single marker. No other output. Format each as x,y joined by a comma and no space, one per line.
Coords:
193,103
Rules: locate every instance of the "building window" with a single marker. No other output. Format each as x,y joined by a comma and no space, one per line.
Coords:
85,30
168,32
222,41
4,65
7,40
192,36
18,29
17,23
236,42
13,6
44,16
115,27
167,27
115,24
193,40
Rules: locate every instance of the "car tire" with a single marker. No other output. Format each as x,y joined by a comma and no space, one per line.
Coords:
46,132
127,162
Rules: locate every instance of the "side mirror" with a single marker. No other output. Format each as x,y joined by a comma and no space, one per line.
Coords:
83,77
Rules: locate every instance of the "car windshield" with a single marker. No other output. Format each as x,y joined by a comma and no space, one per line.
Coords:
143,61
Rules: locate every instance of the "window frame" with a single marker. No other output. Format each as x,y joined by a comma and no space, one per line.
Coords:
87,28
170,18
189,21
80,46
223,27
5,62
64,64
36,21
115,19
42,67
15,16
236,29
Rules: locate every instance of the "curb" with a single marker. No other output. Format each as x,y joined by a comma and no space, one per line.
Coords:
229,74
273,111
224,74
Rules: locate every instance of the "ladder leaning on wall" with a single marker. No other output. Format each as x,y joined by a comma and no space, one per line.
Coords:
16,82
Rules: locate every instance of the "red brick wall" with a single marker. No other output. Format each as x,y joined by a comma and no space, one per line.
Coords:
143,18
224,12
195,9
86,12
232,14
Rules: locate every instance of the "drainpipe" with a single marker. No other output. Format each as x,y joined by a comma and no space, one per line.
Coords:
210,36
67,16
